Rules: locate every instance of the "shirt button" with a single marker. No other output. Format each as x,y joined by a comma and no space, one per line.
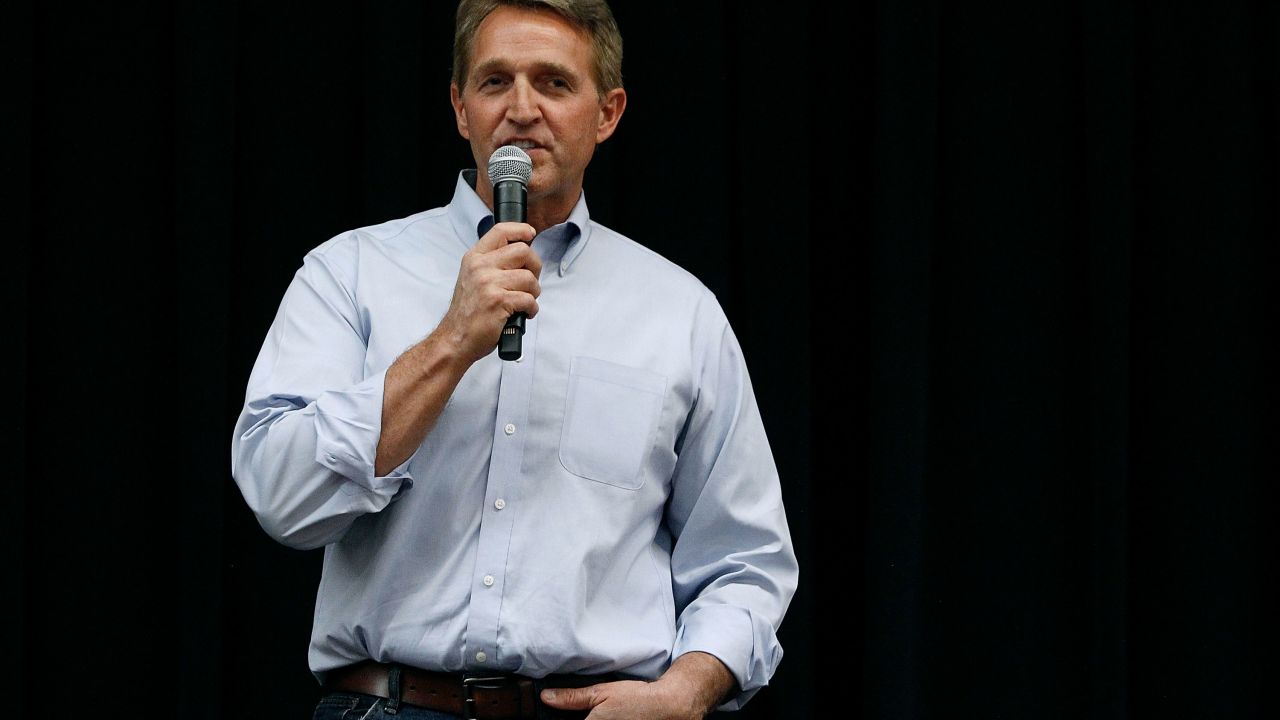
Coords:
332,457
509,429
499,503
481,657
488,581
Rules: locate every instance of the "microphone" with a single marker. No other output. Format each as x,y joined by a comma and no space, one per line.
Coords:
509,171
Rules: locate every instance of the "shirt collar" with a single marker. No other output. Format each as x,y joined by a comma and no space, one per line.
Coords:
471,218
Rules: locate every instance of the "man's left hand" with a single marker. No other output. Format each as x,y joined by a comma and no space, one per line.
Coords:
692,687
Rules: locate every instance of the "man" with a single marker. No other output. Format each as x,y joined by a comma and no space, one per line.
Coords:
595,527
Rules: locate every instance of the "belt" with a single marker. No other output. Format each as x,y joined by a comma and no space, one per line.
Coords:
480,697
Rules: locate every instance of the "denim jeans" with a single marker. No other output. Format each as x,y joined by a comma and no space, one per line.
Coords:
356,706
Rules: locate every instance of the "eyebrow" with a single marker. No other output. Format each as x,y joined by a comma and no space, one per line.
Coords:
541,68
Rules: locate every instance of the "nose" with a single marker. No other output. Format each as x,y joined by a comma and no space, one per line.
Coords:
523,108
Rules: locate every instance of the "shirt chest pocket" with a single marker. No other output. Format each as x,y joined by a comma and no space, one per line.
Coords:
610,416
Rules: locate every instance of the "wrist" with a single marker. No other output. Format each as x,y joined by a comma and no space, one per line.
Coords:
448,350
698,681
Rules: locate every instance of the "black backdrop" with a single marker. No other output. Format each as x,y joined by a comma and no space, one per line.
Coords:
1001,272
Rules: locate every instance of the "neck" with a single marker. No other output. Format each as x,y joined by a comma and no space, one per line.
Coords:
546,212
543,211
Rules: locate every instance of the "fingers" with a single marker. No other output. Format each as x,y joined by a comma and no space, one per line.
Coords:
515,255
510,291
497,277
503,262
519,280
502,234
520,302
496,286
572,698
506,246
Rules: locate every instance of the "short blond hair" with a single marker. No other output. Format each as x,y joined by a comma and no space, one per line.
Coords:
593,17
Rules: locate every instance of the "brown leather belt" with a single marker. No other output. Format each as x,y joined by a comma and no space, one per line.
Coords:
482,697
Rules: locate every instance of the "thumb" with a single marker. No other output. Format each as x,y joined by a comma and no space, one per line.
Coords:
503,234
570,698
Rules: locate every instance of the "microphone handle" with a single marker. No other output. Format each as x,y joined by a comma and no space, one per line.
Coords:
510,204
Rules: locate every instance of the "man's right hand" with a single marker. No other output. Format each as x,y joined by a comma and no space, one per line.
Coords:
498,277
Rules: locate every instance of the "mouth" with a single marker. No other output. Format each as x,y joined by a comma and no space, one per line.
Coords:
522,143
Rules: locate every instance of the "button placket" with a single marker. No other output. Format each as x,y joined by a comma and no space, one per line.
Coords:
511,415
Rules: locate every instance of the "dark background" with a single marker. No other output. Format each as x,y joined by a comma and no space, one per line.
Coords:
1002,272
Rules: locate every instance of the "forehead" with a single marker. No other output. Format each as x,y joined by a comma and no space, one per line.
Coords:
517,37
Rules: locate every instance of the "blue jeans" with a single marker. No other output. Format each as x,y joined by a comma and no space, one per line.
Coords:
355,706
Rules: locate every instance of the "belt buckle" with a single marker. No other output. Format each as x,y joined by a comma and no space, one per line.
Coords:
469,685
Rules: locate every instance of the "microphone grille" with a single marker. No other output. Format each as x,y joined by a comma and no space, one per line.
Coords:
510,163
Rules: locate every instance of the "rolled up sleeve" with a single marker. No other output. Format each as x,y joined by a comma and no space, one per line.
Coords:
304,445
734,570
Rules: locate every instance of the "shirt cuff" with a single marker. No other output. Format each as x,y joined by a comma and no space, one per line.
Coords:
348,426
746,646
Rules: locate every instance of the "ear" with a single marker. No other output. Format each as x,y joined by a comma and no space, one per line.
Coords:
611,108
459,110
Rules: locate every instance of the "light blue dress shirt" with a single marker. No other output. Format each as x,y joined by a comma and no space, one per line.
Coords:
605,504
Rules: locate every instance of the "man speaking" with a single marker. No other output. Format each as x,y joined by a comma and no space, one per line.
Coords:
593,527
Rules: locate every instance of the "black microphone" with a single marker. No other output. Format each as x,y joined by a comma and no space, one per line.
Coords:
509,170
